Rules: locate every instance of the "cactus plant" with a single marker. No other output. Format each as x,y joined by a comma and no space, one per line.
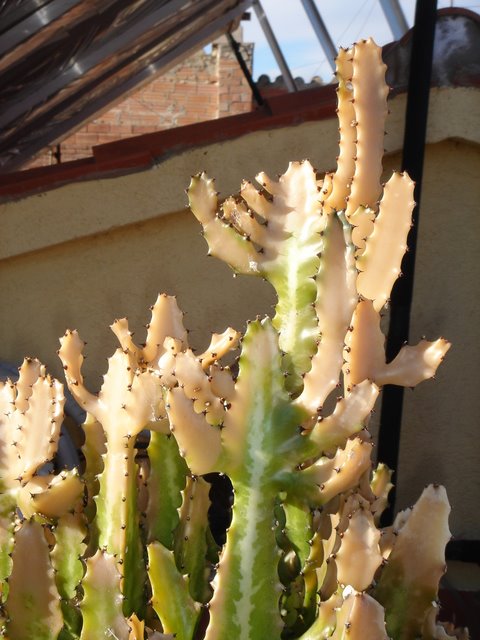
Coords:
125,551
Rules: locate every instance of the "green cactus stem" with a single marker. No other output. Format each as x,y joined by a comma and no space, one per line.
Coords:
192,538
171,599
127,402
70,534
165,483
358,557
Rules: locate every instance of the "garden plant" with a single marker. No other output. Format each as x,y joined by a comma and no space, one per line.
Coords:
121,547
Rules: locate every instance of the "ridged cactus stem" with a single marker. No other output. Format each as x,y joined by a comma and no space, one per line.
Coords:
118,519
70,534
8,505
166,481
247,586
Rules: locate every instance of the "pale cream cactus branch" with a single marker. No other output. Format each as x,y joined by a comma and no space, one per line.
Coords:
256,200
360,617
198,441
365,353
71,355
370,101
196,386
220,345
342,472
40,427
342,178
362,222
336,299
359,555
31,414
223,241
235,212
166,322
128,400
380,262
349,416
51,496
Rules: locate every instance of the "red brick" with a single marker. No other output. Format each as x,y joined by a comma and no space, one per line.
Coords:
204,87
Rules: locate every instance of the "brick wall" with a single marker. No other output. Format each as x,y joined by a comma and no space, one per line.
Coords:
204,87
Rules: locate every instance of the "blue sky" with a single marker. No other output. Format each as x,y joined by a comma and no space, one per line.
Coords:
346,20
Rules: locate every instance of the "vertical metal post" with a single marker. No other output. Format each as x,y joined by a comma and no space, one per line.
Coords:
395,18
274,46
246,71
412,162
321,32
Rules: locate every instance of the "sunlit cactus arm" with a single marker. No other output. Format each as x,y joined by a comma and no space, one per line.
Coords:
101,606
289,241
127,401
409,582
171,599
32,413
51,496
223,240
70,534
196,386
342,178
220,345
380,262
365,353
335,302
166,322
328,477
358,557
191,544
33,603
199,442
348,418
359,617
370,95
293,243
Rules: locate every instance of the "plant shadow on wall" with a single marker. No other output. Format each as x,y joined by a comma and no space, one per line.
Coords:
124,549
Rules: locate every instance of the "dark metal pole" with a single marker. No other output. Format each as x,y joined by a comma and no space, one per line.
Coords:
412,162
246,71
274,46
321,31
395,17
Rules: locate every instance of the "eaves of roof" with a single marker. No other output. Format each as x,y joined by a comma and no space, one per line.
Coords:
454,65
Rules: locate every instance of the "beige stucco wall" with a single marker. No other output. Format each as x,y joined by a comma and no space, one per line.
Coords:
86,253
